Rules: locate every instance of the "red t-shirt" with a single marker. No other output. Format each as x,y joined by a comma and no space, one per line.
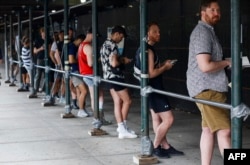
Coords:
84,68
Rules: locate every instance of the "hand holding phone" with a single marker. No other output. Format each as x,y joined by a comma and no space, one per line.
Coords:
174,61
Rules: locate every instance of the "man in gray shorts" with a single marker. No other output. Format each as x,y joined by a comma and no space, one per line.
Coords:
77,81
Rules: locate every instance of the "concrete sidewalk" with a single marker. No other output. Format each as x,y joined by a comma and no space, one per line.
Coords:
31,134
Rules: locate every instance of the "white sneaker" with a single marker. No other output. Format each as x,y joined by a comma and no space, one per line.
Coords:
128,129
62,100
82,113
126,134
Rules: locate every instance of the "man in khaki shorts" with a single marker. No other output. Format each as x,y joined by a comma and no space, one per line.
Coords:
210,113
206,79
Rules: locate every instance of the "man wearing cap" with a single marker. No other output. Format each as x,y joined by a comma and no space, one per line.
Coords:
85,60
76,81
113,65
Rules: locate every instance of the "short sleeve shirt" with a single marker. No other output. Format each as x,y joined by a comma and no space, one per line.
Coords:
73,51
38,43
54,46
26,57
108,49
203,40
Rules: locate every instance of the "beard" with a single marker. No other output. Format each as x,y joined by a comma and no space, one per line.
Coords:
216,19
212,20
154,39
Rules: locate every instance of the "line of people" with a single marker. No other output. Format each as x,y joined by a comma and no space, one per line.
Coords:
80,56
55,60
78,87
205,62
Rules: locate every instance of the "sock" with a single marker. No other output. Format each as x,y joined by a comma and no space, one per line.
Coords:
121,126
100,106
125,123
26,86
74,101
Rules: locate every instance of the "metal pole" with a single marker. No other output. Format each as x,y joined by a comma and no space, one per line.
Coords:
66,42
46,46
94,43
236,73
145,141
19,47
11,50
7,76
31,52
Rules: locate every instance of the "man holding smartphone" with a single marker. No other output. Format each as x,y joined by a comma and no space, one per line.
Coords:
161,111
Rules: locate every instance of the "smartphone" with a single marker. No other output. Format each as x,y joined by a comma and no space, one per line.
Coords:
173,61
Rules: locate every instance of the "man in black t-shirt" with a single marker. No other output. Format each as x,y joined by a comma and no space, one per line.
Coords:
39,54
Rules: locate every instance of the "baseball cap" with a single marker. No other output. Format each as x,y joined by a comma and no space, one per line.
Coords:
119,29
80,36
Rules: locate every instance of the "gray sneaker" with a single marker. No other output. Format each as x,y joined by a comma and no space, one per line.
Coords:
97,123
62,100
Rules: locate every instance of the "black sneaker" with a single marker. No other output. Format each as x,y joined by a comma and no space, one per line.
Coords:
73,106
172,151
159,153
90,113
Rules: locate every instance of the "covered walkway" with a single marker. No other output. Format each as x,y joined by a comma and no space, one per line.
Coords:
31,134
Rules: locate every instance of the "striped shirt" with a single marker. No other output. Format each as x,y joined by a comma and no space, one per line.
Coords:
26,57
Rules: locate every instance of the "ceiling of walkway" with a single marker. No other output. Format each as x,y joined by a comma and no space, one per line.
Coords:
12,7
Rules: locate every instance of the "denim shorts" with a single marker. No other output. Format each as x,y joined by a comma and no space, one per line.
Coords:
89,81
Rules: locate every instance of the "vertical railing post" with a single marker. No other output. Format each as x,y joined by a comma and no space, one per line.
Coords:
32,89
66,67
19,47
94,44
7,66
236,73
11,51
46,47
145,141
